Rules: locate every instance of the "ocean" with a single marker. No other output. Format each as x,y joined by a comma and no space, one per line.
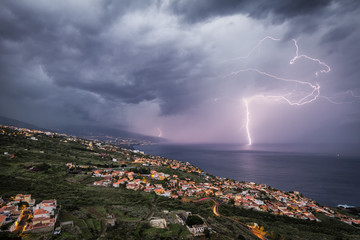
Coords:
325,176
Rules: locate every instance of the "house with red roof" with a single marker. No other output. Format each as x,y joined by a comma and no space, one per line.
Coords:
42,221
48,205
44,217
2,219
354,221
8,210
41,213
24,198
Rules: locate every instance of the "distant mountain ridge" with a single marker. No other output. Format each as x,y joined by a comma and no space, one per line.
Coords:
16,123
102,133
86,131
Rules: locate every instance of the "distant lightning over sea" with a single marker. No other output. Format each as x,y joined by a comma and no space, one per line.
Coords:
160,133
247,121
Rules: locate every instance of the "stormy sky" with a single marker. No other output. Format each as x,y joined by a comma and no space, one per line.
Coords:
183,70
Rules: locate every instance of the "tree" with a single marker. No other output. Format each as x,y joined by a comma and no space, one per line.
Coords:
193,220
207,233
241,237
43,167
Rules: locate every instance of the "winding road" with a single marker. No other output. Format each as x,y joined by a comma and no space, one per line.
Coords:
215,210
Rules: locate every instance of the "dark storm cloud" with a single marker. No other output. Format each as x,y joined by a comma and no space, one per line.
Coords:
338,33
131,78
69,48
94,60
304,16
280,9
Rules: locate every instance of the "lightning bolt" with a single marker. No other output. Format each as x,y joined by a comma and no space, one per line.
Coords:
247,121
342,98
297,56
257,46
307,97
311,96
353,94
160,133
333,101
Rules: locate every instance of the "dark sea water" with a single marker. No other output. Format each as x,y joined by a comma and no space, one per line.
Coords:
328,178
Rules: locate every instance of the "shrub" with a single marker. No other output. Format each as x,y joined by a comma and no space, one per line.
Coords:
193,220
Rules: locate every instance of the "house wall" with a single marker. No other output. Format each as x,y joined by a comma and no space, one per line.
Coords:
41,230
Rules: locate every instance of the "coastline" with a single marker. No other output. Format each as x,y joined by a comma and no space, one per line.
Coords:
287,171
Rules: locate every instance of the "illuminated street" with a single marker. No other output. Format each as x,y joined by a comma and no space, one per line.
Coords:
22,224
260,234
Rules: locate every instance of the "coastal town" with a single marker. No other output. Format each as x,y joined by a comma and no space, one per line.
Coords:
120,168
250,195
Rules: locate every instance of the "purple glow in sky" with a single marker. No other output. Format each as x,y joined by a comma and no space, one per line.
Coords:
182,69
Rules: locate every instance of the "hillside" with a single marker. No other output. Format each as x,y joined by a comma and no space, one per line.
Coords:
13,122
67,169
108,134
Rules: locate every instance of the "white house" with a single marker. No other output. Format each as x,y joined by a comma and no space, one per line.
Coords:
197,230
48,205
158,223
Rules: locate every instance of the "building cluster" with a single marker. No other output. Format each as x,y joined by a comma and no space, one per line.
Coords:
247,195
21,214
44,217
24,132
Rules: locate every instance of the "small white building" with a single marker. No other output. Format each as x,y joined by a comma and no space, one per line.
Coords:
48,205
197,230
258,202
158,223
